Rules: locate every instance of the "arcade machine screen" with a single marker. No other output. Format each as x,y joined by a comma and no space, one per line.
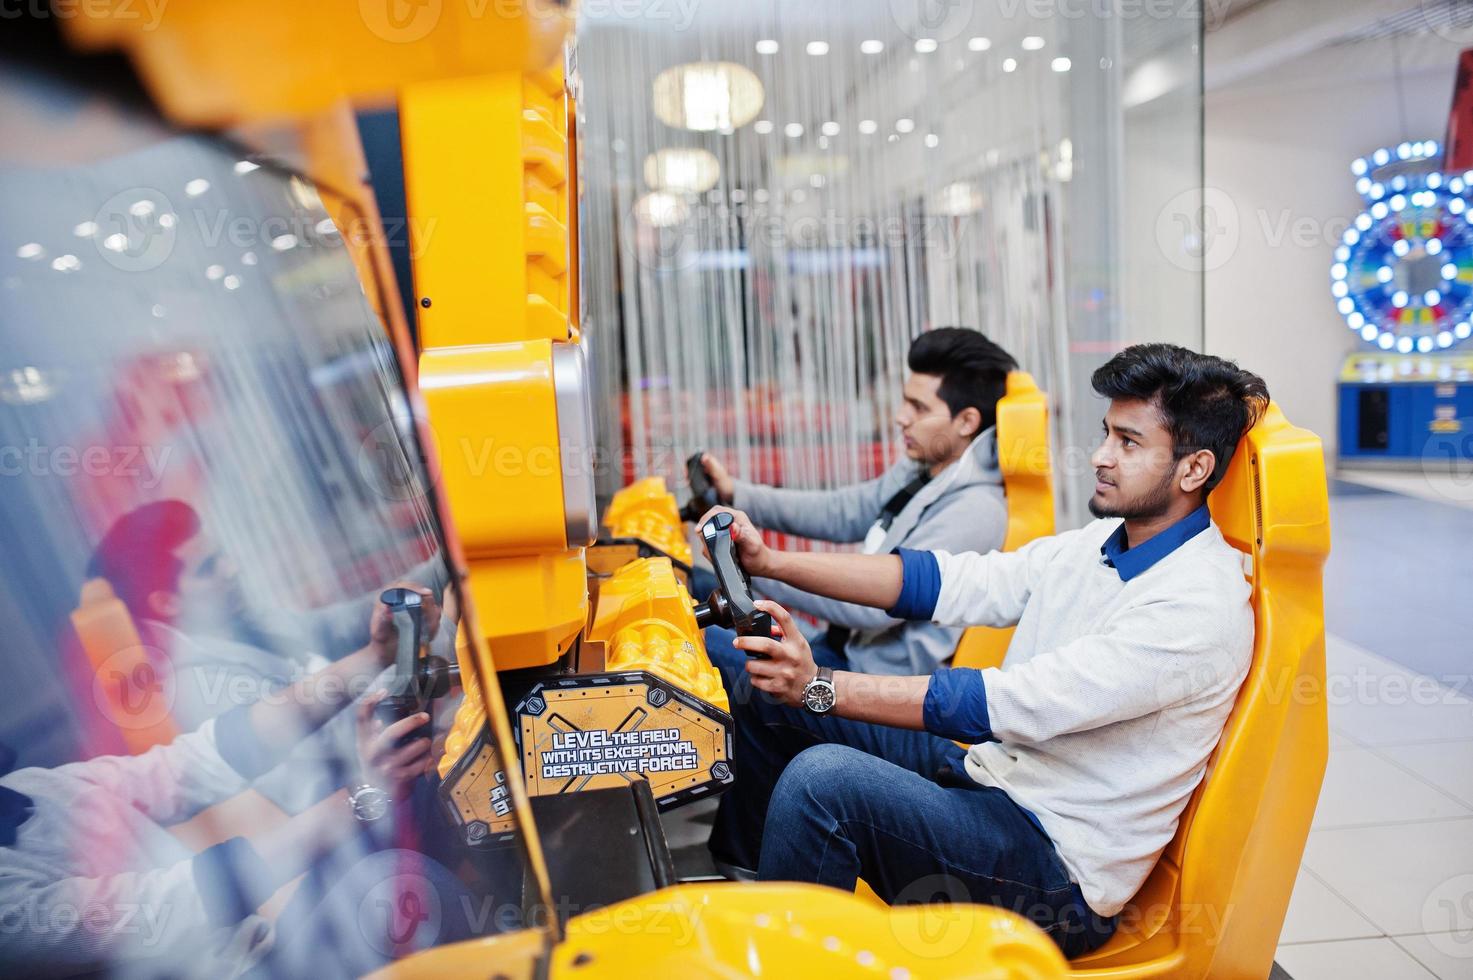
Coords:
212,483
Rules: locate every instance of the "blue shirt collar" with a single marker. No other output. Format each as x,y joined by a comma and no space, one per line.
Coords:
1130,562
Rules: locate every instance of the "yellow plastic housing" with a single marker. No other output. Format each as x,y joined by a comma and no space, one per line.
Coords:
644,618
765,930
219,62
646,510
493,410
490,230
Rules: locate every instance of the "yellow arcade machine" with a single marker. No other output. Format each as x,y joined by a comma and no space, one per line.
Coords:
489,175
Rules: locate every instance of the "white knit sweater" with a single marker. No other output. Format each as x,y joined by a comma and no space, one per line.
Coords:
1112,695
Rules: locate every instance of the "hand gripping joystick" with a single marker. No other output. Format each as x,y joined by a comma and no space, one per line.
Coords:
703,495
731,604
416,677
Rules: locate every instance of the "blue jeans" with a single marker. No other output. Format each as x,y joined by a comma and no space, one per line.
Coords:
828,800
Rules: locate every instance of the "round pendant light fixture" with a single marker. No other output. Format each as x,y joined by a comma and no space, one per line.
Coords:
682,169
706,96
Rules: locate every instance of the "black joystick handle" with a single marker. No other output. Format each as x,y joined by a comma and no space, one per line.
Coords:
731,604
703,495
406,692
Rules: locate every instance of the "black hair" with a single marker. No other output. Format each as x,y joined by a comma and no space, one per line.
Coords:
973,370
1205,402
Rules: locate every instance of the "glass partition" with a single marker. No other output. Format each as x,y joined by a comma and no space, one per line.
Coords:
223,581
779,197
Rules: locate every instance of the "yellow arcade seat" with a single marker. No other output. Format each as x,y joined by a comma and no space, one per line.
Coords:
1215,903
123,681
1023,457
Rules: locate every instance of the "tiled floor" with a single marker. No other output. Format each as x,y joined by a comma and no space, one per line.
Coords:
1386,885
1385,889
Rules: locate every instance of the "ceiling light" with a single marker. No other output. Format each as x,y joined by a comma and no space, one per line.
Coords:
904,125
817,48
685,169
979,43
959,199
763,126
707,96
868,126
831,128
659,209
925,45
932,140
767,46
871,47
793,130
1060,64
85,229
1010,64
1032,42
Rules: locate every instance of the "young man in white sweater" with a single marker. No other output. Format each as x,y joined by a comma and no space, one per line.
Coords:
1133,636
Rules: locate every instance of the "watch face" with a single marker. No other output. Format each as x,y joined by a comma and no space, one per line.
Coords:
819,697
370,803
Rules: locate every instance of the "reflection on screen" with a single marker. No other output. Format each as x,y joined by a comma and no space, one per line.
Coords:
212,749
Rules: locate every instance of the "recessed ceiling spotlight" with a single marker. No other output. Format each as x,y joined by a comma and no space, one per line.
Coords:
871,47
932,140
793,130
831,128
1061,64
767,46
1010,64
925,45
763,126
1032,42
904,125
868,126
979,43
816,48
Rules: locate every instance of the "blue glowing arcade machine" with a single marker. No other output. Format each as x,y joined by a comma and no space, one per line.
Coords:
1403,281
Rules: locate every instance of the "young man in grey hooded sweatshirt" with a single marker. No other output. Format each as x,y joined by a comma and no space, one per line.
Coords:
946,493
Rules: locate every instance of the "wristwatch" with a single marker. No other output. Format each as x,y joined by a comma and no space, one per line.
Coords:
369,803
818,694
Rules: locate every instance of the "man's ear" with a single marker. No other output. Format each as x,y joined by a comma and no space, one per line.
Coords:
1196,469
164,605
968,421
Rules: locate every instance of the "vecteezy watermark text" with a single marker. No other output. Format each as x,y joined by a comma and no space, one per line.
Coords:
143,463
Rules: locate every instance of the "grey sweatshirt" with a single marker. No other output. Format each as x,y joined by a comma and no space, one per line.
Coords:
962,509
1113,693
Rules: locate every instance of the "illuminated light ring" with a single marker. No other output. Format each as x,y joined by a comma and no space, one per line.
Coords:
1430,225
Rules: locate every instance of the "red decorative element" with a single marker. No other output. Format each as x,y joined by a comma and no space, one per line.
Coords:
1457,144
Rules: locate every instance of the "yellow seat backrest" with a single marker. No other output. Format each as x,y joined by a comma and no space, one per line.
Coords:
119,663
1023,457
1215,903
